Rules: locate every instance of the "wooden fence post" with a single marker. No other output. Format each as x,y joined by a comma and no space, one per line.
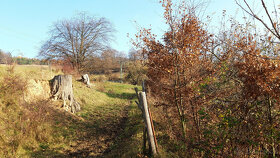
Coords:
140,106
148,129
144,139
148,123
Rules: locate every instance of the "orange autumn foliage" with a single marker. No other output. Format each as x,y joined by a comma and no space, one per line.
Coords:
216,102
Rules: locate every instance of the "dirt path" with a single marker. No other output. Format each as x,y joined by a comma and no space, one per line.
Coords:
97,136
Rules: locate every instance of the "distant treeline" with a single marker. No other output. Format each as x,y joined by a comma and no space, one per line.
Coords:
28,61
7,58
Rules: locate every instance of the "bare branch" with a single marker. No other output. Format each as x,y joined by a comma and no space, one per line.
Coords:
271,21
273,30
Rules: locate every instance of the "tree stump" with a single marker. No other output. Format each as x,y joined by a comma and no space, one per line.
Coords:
61,88
86,80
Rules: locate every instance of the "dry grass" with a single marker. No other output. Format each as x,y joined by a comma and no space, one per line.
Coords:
36,72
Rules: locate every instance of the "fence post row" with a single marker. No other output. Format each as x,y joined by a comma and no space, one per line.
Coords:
149,129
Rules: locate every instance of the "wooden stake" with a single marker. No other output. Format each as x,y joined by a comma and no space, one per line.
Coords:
144,139
148,123
154,133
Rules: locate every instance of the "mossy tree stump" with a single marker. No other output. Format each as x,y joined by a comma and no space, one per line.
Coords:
61,88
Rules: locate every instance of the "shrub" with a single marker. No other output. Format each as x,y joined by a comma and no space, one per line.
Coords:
136,72
101,78
114,77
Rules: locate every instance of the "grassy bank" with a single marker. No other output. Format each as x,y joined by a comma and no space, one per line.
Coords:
108,125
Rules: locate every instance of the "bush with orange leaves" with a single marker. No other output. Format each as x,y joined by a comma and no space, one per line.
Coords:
228,107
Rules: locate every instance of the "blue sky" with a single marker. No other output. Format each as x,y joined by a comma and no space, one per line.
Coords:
24,24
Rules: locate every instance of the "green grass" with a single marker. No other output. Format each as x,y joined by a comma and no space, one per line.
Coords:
108,125
108,122
110,109
108,117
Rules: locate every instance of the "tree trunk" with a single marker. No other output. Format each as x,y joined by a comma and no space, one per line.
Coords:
86,80
62,88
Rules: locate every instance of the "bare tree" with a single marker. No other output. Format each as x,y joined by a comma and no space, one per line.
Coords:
133,54
76,39
5,58
108,60
272,25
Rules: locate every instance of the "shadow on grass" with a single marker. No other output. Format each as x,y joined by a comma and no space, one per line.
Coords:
42,153
98,133
93,135
127,144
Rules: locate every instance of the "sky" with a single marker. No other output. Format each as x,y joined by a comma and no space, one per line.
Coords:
25,24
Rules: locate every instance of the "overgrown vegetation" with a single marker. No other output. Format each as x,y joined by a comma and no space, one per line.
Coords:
218,96
23,125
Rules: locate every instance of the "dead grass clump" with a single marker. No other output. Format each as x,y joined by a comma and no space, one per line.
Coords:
11,68
12,88
101,88
114,77
37,90
101,78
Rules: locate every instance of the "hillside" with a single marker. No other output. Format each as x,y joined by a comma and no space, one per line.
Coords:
34,126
